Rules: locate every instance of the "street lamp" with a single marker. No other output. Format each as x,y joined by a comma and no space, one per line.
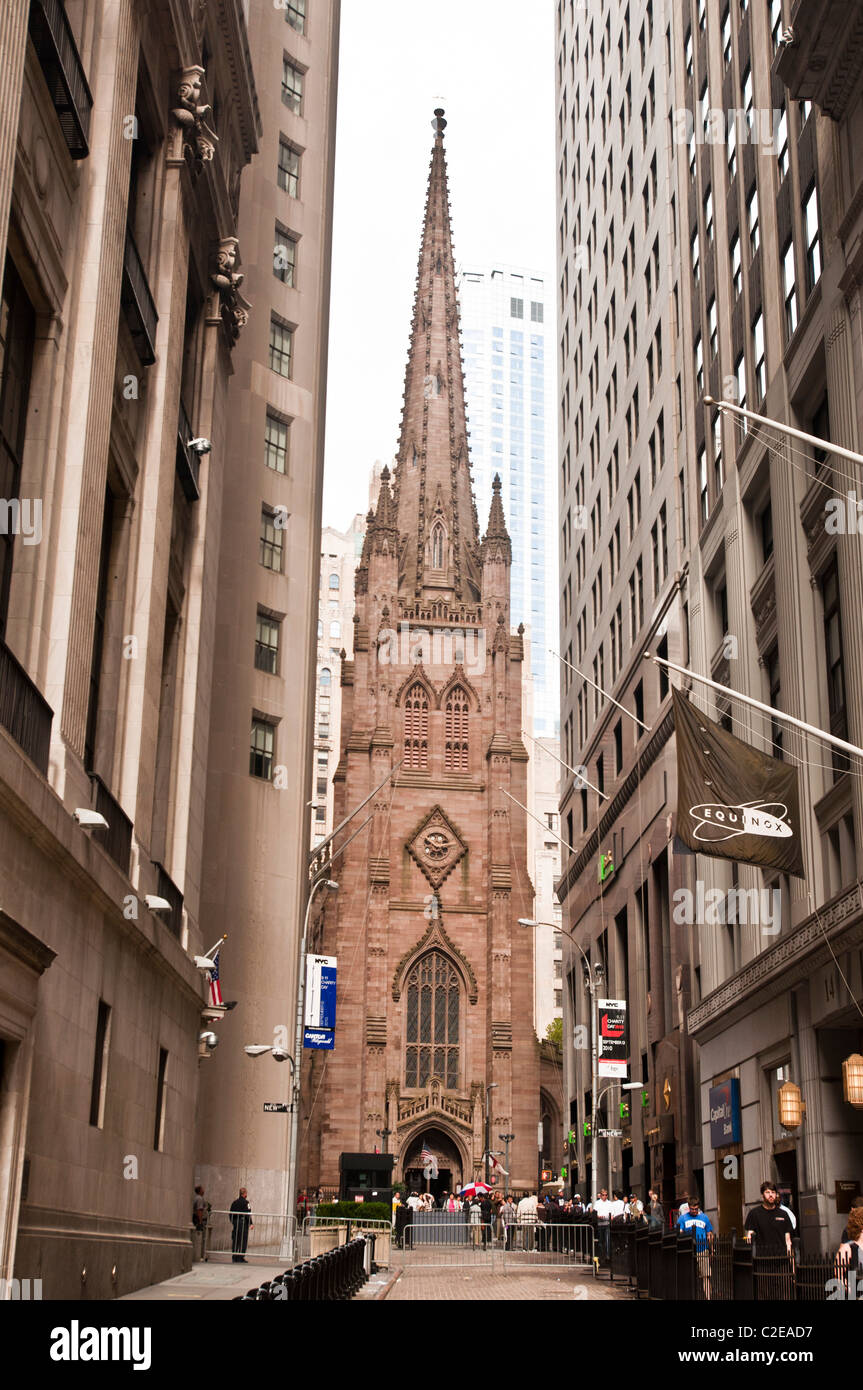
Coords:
298,1053
506,1140
492,1087
593,975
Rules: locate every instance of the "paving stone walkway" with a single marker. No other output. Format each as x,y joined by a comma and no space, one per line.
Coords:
546,1285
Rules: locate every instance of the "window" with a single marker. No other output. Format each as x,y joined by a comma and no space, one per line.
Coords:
726,38
731,149
281,347
833,650
736,265
760,365
289,169
267,644
271,540
703,493
813,237
437,547
99,1084
740,376
432,1023
699,365
456,747
752,221
292,87
688,53
161,1098
276,444
776,22
285,257
790,286
782,144
537,313
295,15
262,749
712,326
335,630
334,582
718,469
746,95
708,215
416,728
516,308
17,330
696,256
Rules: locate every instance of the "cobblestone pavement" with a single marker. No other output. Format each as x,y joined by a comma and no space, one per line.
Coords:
457,1285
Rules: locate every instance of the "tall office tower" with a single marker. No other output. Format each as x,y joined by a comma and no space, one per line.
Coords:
340,555
124,131
434,1019
509,363
624,588
543,857
770,264
261,751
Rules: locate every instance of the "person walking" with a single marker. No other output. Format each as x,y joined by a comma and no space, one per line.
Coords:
240,1223
696,1223
655,1212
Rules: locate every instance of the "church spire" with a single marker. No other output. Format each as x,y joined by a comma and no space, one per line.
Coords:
433,497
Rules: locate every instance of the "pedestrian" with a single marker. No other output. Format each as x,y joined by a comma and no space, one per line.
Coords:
240,1223
487,1211
655,1212
527,1216
618,1206
851,1249
508,1218
452,1203
768,1224
414,1201
694,1222
683,1208
856,1202
200,1217
475,1222
602,1209
635,1209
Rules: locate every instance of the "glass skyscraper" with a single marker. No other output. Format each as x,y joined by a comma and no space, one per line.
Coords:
508,331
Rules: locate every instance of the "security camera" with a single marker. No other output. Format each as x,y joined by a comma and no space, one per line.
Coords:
281,1055
89,820
157,904
200,446
208,1040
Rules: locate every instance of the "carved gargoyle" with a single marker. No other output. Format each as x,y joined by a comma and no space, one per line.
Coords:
199,140
226,281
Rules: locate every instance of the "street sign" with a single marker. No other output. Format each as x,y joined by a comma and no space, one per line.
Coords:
610,1133
276,1107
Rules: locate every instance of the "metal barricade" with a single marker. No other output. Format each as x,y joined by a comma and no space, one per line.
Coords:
440,1239
253,1236
550,1244
321,1234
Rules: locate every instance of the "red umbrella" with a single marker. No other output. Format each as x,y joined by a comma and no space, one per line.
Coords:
473,1189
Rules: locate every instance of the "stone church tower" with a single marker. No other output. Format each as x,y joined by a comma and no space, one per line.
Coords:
435,977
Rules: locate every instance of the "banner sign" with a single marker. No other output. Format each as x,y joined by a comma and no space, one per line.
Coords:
734,802
724,1103
612,1047
320,1017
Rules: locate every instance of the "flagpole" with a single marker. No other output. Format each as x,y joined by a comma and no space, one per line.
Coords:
604,693
756,704
580,777
824,444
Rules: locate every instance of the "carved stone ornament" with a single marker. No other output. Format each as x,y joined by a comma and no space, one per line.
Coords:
226,281
199,140
436,847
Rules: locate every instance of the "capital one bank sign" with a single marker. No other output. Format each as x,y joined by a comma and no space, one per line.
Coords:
724,1102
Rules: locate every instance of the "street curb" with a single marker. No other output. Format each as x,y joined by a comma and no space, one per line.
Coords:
388,1286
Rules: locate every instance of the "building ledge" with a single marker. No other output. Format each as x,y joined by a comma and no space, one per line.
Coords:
823,62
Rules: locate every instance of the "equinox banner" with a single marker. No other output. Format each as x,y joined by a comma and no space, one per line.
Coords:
734,802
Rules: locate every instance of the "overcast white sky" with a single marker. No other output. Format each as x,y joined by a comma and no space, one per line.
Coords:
493,72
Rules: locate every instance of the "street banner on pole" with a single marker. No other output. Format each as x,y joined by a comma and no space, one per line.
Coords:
320,1019
613,1046
734,802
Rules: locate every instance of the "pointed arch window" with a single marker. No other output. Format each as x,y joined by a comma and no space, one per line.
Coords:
457,709
417,728
433,1014
437,546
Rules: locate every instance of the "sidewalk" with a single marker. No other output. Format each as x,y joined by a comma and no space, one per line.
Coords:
208,1282
543,1285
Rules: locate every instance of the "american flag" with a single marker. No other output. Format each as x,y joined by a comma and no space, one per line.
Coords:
215,987
428,1159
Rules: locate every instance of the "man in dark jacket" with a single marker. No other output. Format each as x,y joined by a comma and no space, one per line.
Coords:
487,1214
240,1223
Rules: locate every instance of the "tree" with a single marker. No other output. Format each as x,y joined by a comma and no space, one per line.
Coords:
554,1032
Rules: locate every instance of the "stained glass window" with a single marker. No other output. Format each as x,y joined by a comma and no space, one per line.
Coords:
432,1023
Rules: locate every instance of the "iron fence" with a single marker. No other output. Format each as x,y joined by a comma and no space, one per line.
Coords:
672,1266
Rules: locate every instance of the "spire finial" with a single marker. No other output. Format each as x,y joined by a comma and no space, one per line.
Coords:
439,124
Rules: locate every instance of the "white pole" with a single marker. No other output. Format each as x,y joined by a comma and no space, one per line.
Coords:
756,704
580,777
825,444
604,693
537,819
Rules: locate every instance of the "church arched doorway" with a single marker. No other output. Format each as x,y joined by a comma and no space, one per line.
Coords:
449,1163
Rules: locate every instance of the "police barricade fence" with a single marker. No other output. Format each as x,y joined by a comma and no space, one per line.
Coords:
672,1266
320,1234
336,1275
426,1239
252,1235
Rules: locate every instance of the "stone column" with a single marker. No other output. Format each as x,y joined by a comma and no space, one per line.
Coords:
844,431
13,46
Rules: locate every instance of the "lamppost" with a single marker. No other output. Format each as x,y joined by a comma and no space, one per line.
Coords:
492,1087
298,1054
624,1086
506,1139
593,976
